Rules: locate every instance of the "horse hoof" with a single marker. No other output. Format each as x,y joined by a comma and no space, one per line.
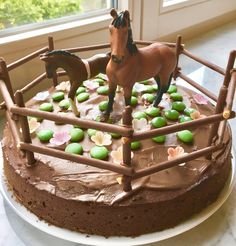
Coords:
104,118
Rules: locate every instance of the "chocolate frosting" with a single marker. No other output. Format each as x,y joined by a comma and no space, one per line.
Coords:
84,183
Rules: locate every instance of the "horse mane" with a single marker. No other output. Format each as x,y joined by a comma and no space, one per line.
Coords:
120,21
62,52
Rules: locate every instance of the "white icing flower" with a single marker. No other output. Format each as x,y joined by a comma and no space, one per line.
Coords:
101,139
140,125
139,87
174,153
33,125
117,155
41,96
196,115
90,85
63,86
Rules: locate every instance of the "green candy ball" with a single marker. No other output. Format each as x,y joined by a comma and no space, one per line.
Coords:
76,134
155,87
91,132
115,135
83,97
46,107
171,114
99,81
185,136
134,93
45,135
103,105
189,111
145,82
158,122
139,115
80,90
172,89
148,97
179,106
152,111
135,145
58,96
184,118
74,148
133,101
159,139
103,90
148,89
176,96
99,152
64,104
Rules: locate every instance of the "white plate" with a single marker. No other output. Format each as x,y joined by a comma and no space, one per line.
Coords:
124,241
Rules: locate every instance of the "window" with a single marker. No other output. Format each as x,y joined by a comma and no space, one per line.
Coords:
20,15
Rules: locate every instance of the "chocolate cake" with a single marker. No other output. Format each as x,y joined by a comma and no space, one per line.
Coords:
162,155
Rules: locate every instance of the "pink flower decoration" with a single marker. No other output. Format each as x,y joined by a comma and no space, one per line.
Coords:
174,153
89,84
200,99
196,115
41,96
60,138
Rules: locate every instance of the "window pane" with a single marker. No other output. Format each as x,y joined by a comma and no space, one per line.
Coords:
20,12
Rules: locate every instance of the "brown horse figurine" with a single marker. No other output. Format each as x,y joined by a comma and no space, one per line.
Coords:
77,69
129,64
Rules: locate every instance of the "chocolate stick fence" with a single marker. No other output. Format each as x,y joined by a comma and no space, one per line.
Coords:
51,48
223,112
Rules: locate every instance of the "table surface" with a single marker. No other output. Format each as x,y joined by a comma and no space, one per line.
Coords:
220,228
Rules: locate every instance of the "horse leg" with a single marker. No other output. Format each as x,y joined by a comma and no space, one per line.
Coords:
112,92
71,96
162,89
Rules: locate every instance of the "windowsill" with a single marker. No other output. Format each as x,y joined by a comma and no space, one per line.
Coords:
37,37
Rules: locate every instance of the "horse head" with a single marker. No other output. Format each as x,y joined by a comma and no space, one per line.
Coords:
49,66
119,34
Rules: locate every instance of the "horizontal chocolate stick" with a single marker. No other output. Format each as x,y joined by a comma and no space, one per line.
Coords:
33,83
180,126
5,94
197,86
124,131
27,58
168,164
204,62
14,128
78,158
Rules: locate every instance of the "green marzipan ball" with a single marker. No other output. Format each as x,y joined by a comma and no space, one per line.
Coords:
159,139
148,89
103,90
133,101
58,96
139,115
145,82
185,136
91,132
172,114
99,81
74,148
134,93
80,90
172,89
179,106
135,145
99,152
158,122
46,107
64,104
148,97
76,134
184,118
155,87
152,111
189,111
176,96
103,105
45,135
115,135
83,97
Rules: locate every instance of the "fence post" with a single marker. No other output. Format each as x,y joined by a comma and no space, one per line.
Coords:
25,128
126,141
222,97
51,48
178,52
